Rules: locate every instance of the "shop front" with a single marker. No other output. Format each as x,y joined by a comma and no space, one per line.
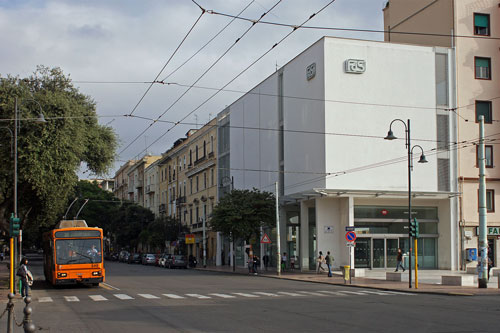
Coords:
382,230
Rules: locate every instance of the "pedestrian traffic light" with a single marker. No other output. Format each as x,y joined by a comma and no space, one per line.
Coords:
14,226
414,232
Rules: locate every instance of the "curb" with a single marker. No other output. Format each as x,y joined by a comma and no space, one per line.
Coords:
412,291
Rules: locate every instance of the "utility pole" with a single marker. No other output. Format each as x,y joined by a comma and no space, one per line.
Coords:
482,278
278,249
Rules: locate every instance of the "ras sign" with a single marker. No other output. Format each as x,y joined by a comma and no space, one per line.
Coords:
355,66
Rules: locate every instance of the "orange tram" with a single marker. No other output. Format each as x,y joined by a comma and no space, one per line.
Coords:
73,254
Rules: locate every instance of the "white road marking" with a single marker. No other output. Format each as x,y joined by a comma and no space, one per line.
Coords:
312,293
110,286
331,292
398,293
123,296
265,294
71,299
223,295
173,296
45,299
246,295
98,298
289,294
382,293
352,292
198,296
148,296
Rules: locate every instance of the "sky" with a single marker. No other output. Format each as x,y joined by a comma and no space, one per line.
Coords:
111,50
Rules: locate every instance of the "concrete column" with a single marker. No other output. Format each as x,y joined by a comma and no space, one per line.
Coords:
218,259
304,236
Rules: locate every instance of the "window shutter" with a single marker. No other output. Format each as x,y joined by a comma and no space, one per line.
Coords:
482,62
481,21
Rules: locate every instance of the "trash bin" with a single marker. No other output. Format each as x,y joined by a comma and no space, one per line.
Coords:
346,270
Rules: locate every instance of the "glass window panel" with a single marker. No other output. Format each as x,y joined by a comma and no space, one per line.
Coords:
441,79
483,108
488,155
388,212
482,62
481,20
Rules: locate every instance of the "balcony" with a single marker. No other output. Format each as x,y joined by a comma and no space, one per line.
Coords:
181,200
150,189
201,159
139,184
211,154
163,208
131,188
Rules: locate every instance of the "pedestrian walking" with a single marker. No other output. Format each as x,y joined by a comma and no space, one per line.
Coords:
25,277
321,261
399,260
329,263
250,264
284,260
490,263
256,263
292,263
266,261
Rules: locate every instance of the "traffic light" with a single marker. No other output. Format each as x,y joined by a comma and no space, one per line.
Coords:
14,226
414,232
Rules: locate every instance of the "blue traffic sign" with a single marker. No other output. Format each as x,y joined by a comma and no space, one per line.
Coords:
350,236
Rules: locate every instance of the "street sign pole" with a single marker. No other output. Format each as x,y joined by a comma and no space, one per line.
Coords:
278,249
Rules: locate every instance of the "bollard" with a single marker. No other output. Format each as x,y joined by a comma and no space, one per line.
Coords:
10,309
28,324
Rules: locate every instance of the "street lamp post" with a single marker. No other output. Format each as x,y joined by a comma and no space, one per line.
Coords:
390,136
221,186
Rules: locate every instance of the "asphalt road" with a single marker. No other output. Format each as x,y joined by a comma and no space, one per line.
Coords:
140,298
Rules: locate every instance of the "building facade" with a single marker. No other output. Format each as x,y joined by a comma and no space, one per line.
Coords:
316,127
121,181
469,27
135,175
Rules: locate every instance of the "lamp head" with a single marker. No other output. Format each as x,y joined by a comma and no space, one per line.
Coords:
422,159
390,136
41,118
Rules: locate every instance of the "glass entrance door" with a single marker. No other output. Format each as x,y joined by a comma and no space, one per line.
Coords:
362,253
378,253
392,252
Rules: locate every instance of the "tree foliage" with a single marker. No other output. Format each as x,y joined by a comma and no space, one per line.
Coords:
241,213
49,154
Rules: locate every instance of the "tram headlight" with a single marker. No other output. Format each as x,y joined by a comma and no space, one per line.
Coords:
62,274
96,273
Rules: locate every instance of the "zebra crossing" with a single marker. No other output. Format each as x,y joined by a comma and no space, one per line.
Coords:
227,295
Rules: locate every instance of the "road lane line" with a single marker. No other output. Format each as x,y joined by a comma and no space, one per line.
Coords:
197,296
312,293
108,286
98,298
352,292
173,296
223,295
148,296
289,294
246,295
331,292
398,293
382,293
266,294
71,299
123,296
45,299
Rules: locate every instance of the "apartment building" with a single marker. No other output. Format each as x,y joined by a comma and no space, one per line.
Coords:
135,175
151,192
121,181
469,26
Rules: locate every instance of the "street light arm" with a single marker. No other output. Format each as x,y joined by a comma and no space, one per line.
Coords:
390,134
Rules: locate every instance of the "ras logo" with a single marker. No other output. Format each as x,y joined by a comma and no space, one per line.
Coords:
355,66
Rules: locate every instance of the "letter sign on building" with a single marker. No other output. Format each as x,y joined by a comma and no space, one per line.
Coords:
311,71
355,66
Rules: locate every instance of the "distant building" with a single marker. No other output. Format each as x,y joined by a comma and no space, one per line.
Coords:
105,184
121,181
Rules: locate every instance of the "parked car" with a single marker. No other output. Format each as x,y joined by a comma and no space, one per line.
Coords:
134,258
163,262
114,256
177,260
148,259
123,256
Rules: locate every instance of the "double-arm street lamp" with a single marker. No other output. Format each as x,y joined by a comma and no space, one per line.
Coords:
390,136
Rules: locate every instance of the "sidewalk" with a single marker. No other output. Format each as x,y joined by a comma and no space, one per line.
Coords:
375,279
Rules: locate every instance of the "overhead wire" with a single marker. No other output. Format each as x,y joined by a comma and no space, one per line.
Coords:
203,11
238,75
197,80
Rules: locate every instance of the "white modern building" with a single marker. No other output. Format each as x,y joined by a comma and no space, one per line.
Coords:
317,126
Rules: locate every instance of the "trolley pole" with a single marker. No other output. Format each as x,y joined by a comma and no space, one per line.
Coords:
278,249
482,278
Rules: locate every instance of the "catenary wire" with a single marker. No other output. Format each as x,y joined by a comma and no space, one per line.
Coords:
238,75
196,81
203,11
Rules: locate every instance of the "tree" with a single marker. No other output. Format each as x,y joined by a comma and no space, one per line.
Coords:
241,213
49,154
128,223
